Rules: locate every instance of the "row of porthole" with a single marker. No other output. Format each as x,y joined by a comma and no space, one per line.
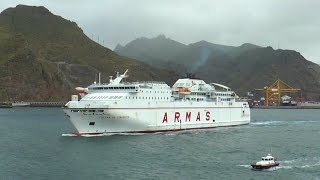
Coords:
221,94
156,91
150,98
103,97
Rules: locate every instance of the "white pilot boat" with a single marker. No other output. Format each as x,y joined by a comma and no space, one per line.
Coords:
265,163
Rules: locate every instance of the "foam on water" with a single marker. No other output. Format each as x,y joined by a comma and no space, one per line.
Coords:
103,134
294,163
273,123
244,165
300,163
68,135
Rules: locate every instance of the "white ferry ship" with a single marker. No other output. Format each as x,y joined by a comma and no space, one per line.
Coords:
122,107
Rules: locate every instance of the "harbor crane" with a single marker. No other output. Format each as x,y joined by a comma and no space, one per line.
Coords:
274,92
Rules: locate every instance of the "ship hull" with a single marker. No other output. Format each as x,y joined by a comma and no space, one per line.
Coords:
260,167
155,119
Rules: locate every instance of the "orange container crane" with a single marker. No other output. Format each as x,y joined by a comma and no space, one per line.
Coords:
274,92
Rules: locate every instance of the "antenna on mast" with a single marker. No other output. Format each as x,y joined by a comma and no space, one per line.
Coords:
99,78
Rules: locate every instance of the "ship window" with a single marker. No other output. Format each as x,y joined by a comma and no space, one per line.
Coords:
92,110
119,97
91,123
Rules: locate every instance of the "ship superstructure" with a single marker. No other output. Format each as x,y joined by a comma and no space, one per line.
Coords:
150,106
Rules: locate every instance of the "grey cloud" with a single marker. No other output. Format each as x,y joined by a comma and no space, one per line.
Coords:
289,24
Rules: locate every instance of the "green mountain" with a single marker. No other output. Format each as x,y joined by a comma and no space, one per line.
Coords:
243,68
43,57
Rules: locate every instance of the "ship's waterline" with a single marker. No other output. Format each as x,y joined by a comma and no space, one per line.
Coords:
154,106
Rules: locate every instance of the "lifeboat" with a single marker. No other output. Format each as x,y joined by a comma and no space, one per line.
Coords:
265,163
82,90
184,91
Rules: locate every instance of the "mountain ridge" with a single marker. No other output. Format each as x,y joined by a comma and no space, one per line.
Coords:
243,67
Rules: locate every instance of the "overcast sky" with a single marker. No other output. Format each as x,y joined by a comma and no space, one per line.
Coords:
287,24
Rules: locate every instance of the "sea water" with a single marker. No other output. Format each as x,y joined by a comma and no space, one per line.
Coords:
36,143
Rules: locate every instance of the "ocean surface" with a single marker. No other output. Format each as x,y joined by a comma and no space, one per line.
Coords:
36,144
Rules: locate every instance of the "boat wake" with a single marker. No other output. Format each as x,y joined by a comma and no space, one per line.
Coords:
102,134
169,133
292,164
300,163
276,123
245,165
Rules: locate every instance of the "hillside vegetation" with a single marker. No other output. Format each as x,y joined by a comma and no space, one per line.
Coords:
43,57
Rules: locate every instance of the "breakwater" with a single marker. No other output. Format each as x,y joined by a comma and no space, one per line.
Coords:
31,104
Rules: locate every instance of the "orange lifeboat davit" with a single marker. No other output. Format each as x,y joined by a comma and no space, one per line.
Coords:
184,91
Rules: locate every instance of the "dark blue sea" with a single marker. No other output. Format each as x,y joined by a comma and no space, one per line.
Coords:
35,145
